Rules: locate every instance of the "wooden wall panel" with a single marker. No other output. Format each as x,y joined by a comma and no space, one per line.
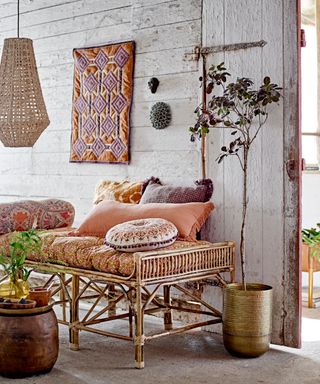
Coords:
213,33
272,224
272,169
292,186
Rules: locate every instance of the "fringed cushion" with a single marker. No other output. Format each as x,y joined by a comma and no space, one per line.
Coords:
141,235
154,192
188,218
27,214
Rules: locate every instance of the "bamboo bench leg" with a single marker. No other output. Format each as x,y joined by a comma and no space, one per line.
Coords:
130,296
139,332
310,288
74,315
112,291
168,311
62,296
232,276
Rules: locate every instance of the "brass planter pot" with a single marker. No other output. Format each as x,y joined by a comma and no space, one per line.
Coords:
247,319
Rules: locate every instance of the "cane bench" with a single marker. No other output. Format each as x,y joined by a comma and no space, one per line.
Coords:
144,284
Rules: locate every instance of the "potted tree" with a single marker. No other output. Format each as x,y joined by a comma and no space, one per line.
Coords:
243,110
12,260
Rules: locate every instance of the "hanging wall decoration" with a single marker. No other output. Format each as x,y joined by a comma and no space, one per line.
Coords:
160,115
102,97
153,84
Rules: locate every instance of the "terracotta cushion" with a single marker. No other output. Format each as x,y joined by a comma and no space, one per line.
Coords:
141,235
123,191
188,218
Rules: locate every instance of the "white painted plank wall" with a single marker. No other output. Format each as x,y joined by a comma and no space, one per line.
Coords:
163,31
229,22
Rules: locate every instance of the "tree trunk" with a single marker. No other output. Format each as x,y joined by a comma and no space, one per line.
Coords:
244,214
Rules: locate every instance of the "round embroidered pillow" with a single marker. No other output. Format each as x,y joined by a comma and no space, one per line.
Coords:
141,235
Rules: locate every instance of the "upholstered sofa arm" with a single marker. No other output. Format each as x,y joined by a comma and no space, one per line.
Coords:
43,214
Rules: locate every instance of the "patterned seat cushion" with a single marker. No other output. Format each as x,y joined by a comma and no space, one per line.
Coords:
141,235
27,214
60,247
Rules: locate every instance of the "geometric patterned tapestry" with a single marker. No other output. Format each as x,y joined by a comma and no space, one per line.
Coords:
102,97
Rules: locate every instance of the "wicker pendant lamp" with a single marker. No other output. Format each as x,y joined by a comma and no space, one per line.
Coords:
23,114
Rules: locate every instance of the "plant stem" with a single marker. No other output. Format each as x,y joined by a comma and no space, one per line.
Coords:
244,214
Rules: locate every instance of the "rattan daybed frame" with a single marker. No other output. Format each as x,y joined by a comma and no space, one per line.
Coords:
158,269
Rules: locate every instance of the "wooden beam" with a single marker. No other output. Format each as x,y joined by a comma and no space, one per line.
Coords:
290,333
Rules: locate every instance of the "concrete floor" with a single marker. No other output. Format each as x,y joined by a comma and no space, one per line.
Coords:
196,357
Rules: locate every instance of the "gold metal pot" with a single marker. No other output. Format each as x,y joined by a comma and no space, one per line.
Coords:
247,319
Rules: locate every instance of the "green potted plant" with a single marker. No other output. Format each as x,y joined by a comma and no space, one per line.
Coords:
243,110
12,260
311,237
311,257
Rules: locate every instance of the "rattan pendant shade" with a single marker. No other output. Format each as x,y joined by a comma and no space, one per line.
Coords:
23,114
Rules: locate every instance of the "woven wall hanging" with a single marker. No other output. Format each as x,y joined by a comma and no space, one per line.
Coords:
23,114
102,97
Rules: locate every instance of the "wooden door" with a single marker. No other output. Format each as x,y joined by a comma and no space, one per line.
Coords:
274,217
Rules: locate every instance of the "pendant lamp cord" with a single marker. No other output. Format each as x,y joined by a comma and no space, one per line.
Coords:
18,17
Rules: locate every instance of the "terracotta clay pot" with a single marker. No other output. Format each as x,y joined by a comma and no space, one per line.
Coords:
40,295
29,341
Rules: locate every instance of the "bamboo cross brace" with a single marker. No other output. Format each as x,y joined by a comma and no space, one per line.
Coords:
203,52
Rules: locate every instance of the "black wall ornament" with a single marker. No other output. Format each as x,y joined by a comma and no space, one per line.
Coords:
160,115
153,84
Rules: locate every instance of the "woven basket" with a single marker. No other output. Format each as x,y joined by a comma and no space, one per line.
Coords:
23,114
